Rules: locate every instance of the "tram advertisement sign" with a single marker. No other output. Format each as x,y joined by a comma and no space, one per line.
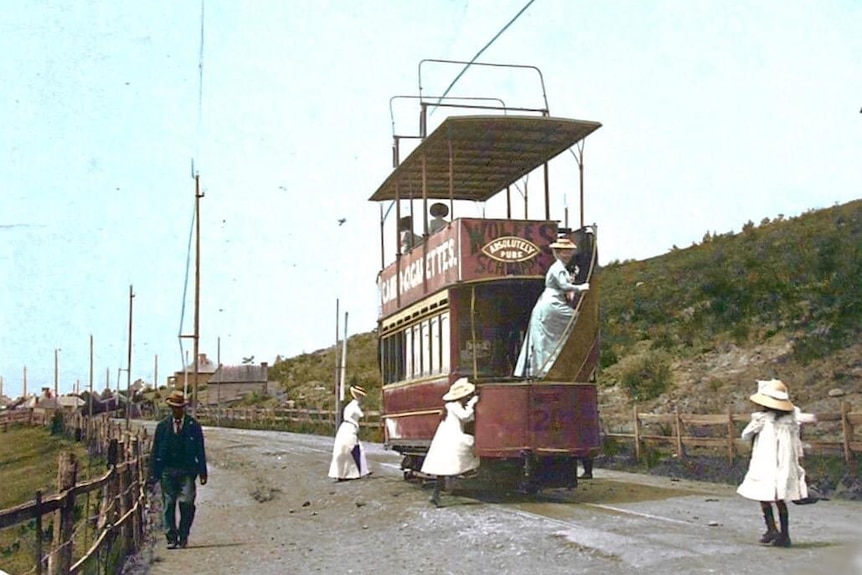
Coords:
467,250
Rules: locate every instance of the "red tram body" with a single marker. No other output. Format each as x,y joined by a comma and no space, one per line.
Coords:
458,303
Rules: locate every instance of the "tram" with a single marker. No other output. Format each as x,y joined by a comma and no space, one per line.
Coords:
456,295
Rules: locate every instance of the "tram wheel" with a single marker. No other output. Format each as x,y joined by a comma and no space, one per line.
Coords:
409,465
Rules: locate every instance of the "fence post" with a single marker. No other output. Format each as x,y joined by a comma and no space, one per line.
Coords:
124,497
137,519
730,435
38,533
846,431
64,518
677,424
637,435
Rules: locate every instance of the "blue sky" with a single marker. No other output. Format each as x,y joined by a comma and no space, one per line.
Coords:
713,114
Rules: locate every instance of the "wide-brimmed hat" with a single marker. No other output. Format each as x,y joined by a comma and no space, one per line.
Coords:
356,390
564,244
439,210
176,399
772,393
460,389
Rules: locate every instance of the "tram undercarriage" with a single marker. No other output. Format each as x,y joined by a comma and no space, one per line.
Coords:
528,473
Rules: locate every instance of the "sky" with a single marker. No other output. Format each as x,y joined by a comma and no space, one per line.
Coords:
713,114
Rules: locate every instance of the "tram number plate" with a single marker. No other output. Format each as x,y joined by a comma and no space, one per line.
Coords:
551,418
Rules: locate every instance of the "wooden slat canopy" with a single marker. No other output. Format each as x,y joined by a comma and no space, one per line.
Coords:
488,154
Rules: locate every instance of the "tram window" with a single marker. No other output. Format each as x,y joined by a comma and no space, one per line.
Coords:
444,343
417,352
408,354
435,345
425,351
392,362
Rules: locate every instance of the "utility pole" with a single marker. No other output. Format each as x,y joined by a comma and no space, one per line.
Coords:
196,335
129,365
337,371
218,385
25,383
56,394
91,375
198,197
343,376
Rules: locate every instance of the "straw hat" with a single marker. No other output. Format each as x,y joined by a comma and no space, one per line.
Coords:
563,244
772,393
356,390
460,389
176,399
439,210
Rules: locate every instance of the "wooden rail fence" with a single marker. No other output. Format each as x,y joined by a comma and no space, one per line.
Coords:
20,417
279,418
118,524
832,432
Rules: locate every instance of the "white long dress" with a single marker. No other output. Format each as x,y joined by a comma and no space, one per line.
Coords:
550,321
348,456
774,472
451,451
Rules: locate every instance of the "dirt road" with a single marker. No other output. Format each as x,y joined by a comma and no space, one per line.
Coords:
269,509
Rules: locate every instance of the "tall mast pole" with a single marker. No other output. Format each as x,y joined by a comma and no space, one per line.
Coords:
198,197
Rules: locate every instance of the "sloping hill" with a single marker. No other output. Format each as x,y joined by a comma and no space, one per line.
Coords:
695,327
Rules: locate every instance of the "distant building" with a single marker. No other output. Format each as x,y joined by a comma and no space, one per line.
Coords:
231,383
206,369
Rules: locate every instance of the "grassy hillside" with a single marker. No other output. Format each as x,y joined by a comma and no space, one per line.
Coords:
695,327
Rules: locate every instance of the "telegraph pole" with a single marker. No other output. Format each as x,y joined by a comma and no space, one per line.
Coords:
56,394
198,197
196,335
91,375
129,365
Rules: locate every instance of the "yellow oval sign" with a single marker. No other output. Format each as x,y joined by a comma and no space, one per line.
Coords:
510,249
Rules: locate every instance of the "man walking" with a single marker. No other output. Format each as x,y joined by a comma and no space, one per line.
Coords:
177,459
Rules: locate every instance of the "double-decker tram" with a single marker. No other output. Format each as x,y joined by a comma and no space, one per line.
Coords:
456,294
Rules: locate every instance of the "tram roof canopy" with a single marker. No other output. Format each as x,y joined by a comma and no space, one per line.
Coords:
488,153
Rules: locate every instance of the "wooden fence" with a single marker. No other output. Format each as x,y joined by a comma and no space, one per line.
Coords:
20,417
116,526
832,433
282,418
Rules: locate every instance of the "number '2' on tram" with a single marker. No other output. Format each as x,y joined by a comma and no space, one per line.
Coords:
457,288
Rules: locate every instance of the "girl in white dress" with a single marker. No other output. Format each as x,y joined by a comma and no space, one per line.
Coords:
451,451
774,473
348,456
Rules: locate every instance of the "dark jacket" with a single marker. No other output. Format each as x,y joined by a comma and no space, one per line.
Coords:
183,453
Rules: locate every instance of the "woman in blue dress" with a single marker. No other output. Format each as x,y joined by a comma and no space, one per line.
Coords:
551,316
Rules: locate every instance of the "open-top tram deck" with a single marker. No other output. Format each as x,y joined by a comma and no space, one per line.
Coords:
456,301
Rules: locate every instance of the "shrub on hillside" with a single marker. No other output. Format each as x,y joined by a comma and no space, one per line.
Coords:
647,378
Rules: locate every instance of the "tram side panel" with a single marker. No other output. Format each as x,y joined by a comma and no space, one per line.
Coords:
412,414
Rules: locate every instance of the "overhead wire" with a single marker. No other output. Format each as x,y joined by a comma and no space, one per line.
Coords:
485,47
466,66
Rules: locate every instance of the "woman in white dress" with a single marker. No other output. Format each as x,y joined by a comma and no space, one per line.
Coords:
348,457
774,473
451,451
551,316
